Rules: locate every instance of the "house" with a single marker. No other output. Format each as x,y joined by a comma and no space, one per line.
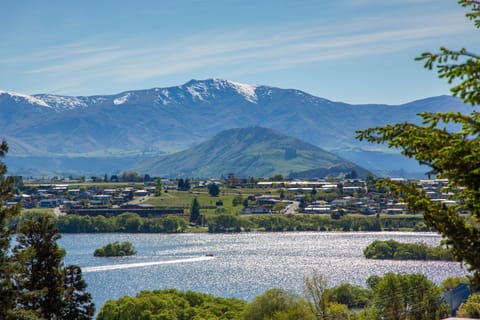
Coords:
48,203
456,297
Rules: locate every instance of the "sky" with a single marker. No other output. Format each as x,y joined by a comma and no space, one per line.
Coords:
354,51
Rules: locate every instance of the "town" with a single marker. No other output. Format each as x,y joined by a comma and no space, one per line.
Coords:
248,196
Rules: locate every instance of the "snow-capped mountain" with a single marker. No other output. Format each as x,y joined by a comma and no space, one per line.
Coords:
164,120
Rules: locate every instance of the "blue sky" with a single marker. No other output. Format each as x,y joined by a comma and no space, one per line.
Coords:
356,51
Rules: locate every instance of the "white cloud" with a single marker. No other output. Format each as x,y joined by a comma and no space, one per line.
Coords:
75,64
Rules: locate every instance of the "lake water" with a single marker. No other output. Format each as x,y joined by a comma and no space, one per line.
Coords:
243,265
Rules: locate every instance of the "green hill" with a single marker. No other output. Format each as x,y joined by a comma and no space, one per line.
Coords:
257,152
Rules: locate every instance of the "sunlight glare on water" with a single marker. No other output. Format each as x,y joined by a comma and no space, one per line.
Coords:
244,265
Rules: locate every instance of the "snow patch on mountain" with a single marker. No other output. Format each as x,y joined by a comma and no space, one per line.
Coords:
18,97
163,97
199,91
246,90
60,103
122,99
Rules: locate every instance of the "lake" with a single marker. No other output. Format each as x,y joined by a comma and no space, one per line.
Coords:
243,265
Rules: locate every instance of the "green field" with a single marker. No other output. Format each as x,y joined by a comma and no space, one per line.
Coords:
207,202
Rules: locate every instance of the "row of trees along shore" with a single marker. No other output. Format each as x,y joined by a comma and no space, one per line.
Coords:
224,222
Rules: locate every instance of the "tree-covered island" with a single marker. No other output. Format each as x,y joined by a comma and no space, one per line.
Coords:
116,249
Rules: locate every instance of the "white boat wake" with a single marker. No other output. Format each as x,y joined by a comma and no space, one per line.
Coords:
142,264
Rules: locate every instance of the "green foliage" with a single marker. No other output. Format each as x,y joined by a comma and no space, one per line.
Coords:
125,222
406,296
33,282
224,223
277,304
158,187
471,308
213,190
171,304
450,153
395,250
44,287
350,295
6,213
317,294
195,211
39,260
116,249
77,303
452,282
183,185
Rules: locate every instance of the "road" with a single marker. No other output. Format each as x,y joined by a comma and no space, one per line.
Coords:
291,208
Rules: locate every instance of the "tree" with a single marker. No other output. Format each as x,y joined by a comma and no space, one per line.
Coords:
77,303
450,153
44,288
6,213
471,308
317,295
268,304
39,260
195,211
406,296
350,295
158,187
32,276
224,222
130,176
213,189
180,184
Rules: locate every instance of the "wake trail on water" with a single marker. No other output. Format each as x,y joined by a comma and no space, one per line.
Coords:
142,264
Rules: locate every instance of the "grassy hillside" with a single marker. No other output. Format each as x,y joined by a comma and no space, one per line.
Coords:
257,152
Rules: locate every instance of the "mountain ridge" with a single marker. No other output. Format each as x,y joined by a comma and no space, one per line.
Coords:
157,121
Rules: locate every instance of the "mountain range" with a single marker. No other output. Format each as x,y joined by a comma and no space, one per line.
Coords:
107,133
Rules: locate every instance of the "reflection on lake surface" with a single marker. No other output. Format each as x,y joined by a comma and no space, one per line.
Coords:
243,265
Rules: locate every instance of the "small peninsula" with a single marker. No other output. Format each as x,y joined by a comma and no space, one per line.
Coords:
394,250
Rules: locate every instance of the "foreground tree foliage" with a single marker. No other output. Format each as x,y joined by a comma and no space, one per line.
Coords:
34,284
6,213
171,304
278,304
471,308
406,296
45,288
392,296
451,154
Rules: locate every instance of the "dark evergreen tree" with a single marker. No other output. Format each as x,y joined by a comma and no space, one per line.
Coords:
195,211
158,187
213,190
39,259
77,304
7,293
44,288
186,186
180,184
